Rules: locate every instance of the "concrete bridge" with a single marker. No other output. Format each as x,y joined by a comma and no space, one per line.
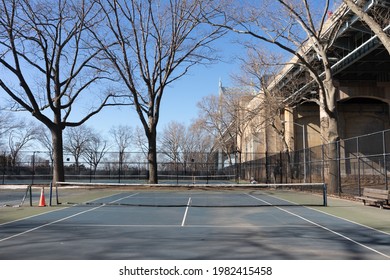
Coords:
361,70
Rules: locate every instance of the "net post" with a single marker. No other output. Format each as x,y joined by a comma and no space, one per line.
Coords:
325,194
58,202
51,193
28,191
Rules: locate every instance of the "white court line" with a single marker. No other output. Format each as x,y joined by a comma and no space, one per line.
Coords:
48,224
40,214
186,212
60,220
131,195
329,214
178,226
62,208
323,227
350,221
29,217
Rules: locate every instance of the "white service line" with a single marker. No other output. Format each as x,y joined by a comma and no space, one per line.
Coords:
185,213
323,227
131,195
60,220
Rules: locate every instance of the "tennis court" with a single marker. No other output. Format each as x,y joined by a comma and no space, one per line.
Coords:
194,223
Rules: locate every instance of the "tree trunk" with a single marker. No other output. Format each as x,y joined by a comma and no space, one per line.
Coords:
58,156
329,131
331,155
152,157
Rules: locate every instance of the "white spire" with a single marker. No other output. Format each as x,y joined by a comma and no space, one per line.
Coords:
220,91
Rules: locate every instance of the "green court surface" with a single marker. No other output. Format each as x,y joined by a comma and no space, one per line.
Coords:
193,223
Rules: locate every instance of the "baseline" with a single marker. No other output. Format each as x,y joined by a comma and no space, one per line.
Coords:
324,228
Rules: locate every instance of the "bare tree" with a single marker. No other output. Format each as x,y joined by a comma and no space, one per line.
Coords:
76,142
199,139
157,42
173,140
378,23
6,124
95,150
225,116
259,68
46,54
123,138
183,145
44,138
172,144
19,137
215,122
141,142
200,146
298,27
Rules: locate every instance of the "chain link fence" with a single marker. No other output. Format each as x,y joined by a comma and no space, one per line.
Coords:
35,167
362,161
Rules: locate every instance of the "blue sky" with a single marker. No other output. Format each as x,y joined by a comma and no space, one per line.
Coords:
180,98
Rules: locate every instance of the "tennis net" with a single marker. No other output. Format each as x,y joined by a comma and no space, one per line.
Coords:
197,179
187,195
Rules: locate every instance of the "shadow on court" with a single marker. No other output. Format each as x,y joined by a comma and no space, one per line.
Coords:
103,231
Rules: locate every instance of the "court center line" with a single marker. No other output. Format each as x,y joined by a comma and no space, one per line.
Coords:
60,220
186,212
324,228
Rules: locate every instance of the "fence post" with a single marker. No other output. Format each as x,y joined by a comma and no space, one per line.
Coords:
120,166
323,162
30,191
281,166
177,170
325,195
309,165
266,167
338,143
33,168
384,160
358,162
207,167
4,165
90,172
